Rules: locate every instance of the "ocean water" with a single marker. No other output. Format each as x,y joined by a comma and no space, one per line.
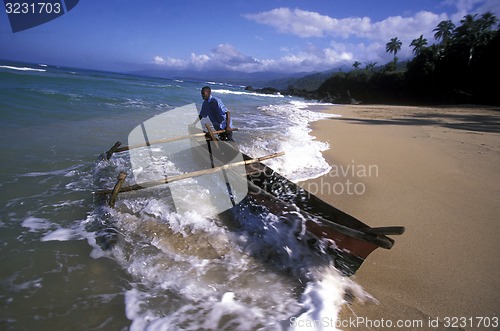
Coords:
165,269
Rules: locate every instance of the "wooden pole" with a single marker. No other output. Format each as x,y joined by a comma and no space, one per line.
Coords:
197,173
166,140
212,134
113,149
117,188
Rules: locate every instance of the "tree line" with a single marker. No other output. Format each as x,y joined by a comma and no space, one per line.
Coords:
463,67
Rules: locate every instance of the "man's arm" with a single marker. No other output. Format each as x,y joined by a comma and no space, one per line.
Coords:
196,120
228,121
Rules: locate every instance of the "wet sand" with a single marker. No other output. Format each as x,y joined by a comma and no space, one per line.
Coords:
436,171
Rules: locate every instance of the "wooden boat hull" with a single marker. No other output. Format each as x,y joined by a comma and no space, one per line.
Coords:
349,240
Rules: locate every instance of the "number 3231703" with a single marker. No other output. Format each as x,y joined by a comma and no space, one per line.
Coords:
471,322
33,8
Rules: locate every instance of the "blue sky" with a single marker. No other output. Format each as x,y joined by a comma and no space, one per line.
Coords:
251,36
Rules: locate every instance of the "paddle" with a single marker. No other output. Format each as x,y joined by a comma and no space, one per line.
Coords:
197,173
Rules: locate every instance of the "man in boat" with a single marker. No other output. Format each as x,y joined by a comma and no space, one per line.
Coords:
218,114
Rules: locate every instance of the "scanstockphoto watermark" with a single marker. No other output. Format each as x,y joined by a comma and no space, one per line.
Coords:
355,322
453,322
344,179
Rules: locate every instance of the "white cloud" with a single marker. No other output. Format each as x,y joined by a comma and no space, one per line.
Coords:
491,6
306,24
227,57
371,36
169,62
465,7
159,60
198,61
302,23
223,56
226,54
351,39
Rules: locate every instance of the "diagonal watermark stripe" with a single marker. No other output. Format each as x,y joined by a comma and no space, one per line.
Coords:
208,194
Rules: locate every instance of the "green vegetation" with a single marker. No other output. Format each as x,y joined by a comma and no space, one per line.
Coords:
462,68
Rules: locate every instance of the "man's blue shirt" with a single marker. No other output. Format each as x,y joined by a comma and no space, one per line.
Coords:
216,112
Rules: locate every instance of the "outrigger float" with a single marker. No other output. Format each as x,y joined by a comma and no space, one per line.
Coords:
325,228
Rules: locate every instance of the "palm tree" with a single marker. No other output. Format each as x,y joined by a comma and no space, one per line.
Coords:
370,66
487,21
475,32
444,31
393,46
356,64
418,44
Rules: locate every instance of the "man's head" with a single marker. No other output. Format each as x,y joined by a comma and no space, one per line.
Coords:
205,92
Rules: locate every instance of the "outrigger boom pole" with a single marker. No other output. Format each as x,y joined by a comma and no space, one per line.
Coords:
117,149
121,178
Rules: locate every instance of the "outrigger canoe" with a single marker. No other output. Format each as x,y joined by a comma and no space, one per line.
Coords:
326,228
348,239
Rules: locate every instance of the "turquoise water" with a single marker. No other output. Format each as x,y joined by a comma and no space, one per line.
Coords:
168,270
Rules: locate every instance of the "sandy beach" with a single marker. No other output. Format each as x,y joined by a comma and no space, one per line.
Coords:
436,171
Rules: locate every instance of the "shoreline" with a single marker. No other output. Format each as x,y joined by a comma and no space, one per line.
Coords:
438,174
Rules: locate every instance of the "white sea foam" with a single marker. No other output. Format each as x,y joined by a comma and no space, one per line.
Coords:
22,68
36,224
194,273
219,83
224,91
30,284
62,172
323,299
290,132
53,231
60,234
